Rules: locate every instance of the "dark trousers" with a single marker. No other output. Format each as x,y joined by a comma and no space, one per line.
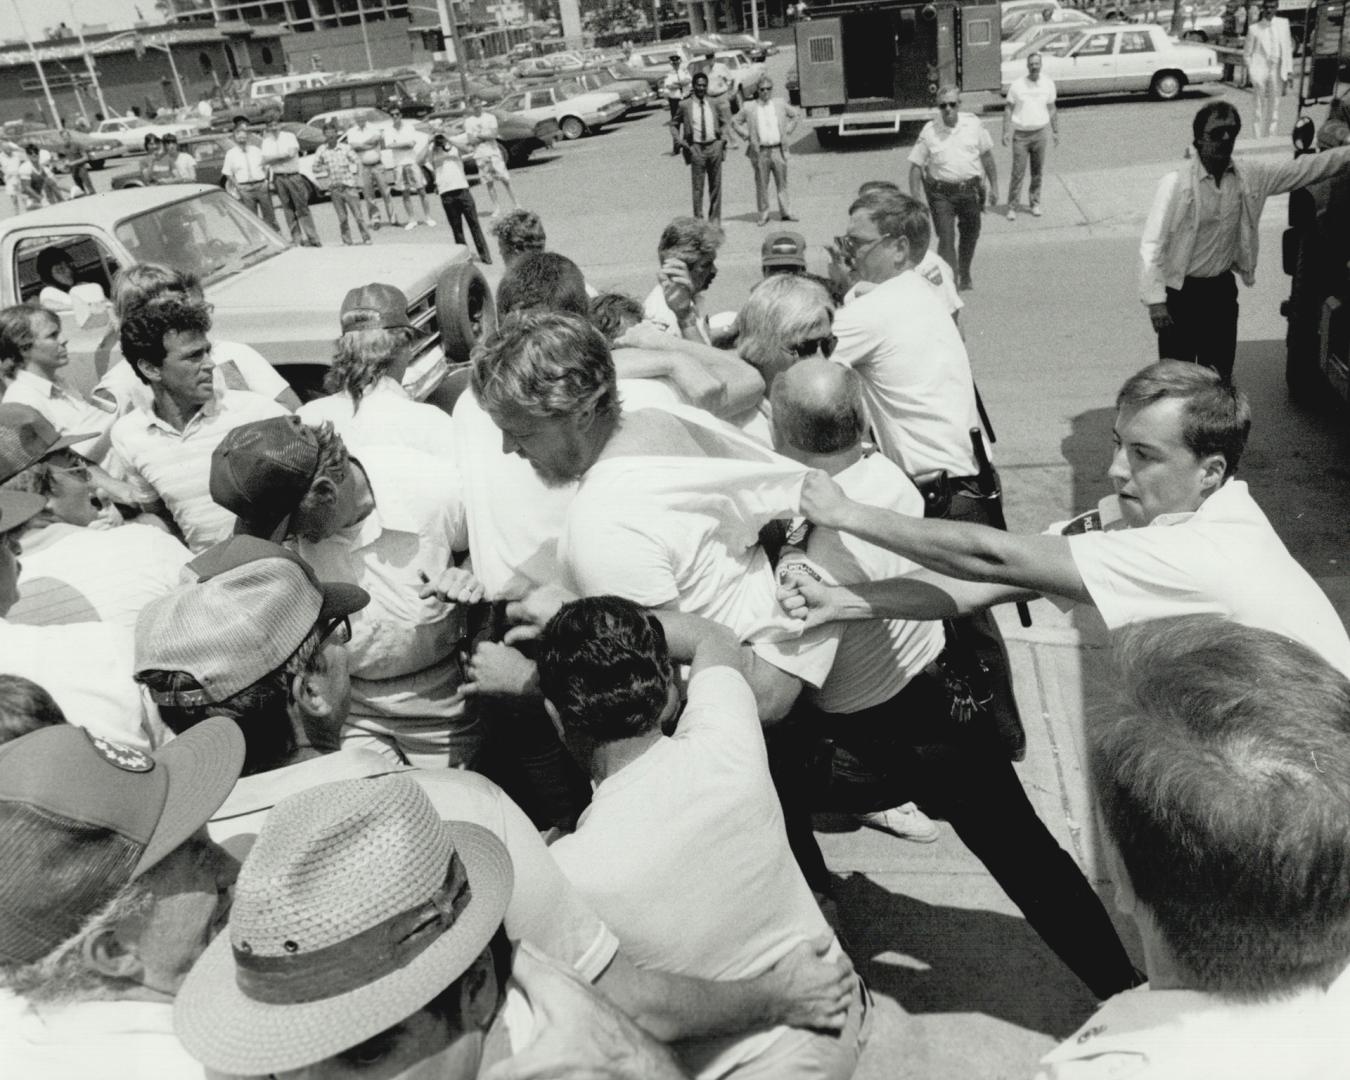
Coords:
460,208
956,207
293,192
258,199
1029,147
705,166
674,123
923,755
1204,324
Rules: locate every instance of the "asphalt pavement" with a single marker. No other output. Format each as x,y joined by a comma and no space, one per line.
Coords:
1054,325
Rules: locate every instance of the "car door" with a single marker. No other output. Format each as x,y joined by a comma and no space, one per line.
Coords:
1137,61
1091,67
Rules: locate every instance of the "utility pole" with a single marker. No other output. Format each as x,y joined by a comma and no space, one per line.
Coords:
450,31
42,75
656,18
88,59
365,34
754,19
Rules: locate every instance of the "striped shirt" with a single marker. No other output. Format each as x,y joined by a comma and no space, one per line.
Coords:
340,164
165,465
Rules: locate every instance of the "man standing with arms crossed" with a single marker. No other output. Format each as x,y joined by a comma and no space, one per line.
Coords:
281,152
1030,120
366,140
245,166
947,170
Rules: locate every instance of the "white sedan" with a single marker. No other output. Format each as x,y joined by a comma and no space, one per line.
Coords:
577,111
1117,58
130,131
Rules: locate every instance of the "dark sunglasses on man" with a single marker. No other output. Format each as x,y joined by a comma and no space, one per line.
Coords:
823,345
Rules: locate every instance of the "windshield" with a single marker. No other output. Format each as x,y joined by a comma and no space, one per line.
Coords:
211,235
415,87
1055,44
570,88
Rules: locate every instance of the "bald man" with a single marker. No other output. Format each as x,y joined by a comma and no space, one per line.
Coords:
886,703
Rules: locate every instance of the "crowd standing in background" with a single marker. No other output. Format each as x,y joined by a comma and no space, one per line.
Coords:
361,735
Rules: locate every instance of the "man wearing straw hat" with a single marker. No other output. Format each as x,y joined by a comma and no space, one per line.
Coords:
367,934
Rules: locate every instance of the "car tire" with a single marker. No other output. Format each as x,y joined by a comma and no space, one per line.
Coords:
1167,85
465,310
571,127
827,137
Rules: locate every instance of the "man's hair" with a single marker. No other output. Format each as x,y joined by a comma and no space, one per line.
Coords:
897,215
65,975
143,329
546,364
612,313
334,460
943,90
1216,417
604,663
543,281
1224,783
777,315
821,427
361,357
699,75
261,710
18,331
25,707
518,232
141,282
1223,110
690,239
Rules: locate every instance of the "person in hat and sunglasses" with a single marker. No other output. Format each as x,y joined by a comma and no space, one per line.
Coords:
112,892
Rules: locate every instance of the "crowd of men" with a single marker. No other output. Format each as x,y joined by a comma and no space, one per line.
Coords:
352,737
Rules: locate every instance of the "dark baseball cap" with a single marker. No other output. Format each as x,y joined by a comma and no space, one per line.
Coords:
26,437
81,816
16,507
261,471
375,307
784,249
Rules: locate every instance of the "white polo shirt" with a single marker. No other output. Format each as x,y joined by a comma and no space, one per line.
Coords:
72,574
900,338
174,467
87,668
1031,102
237,367
1223,559
244,164
1148,1034
683,853
544,909
877,658
386,416
402,646
64,409
366,140
952,154
402,143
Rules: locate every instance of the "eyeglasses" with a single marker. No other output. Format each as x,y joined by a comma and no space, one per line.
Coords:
823,345
851,247
949,104
79,472
337,632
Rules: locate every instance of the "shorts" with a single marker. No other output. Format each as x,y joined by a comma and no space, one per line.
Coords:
410,177
492,166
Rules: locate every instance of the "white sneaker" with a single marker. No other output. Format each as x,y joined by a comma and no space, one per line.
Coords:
1012,214
907,822
429,223
412,224
1036,210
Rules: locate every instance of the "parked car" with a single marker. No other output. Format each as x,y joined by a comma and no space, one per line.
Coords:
1036,29
282,300
577,111
546,67
518,135
208,151
99,148
412,92
129,132
634,93
1118,58
745,73
345,118
750,47
1197,23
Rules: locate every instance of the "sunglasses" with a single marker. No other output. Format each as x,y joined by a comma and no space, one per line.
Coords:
949,104
337,632
823,345
850,247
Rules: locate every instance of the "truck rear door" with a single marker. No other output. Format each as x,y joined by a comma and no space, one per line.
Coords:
981,60
820,62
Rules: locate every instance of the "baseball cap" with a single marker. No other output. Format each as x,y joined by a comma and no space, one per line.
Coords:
375,306
252,605
81,816
26,437
16,507
784,249
261,471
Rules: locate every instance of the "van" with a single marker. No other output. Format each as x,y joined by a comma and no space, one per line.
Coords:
409,90
281,85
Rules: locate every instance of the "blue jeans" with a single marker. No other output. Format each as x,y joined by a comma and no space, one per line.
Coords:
1028,145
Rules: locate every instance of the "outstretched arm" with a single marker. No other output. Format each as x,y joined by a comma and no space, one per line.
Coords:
920,595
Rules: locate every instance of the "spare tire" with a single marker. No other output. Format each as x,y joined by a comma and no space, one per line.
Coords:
465,310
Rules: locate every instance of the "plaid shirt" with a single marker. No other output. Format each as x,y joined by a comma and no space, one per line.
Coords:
340,164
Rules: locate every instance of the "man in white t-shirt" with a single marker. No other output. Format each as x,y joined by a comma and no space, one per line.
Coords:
900,338
886,704
1030,120
1193,540
407,148
367,140
683,850
480,128
1223,781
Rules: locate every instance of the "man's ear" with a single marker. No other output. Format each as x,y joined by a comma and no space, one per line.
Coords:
110,954
152,373
310,695
323,491
1213,468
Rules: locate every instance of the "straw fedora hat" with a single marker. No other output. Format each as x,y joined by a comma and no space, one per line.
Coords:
356,906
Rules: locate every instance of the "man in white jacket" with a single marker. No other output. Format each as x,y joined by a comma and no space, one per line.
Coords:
1269,55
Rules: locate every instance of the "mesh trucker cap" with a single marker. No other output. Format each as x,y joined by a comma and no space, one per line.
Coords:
26,437
261,471
81,816
253,605
784,249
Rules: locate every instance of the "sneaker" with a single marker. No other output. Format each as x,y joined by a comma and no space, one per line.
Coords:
907,822
1035,210
366,240
431,224
411,225
1012,214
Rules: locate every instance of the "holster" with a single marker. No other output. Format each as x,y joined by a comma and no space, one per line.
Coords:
936,488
